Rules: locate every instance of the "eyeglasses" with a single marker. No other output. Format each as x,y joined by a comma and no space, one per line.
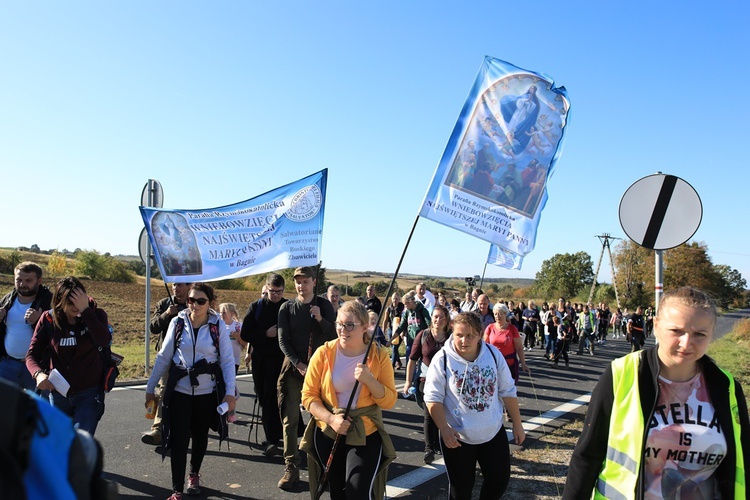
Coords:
346,326
200,302
276,292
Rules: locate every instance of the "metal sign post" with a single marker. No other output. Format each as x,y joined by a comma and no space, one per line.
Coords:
151,196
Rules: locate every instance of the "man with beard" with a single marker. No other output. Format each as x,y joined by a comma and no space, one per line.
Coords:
19,311
260,331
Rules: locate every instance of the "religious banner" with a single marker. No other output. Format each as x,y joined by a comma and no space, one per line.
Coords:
276,230
503,258
491,180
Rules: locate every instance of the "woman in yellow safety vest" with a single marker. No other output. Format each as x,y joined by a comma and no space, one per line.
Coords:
665,422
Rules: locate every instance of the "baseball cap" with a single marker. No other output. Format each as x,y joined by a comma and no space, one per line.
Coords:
306,271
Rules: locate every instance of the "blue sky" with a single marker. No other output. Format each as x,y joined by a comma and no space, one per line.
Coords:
223,101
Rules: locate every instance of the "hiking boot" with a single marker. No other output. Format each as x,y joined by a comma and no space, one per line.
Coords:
429,456
271,450
152,437
194,483
291,476
175,496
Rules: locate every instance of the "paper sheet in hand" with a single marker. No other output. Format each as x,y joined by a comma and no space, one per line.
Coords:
61,385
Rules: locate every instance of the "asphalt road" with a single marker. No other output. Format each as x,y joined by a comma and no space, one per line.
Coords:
548,398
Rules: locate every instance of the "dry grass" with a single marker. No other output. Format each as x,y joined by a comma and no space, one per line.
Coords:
539,471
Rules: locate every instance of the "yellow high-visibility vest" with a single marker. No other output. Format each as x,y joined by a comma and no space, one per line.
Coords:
618,478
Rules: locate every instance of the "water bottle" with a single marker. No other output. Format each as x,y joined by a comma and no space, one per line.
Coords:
151,409
411,391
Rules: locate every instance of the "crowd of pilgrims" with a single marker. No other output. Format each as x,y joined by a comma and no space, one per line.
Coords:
461,361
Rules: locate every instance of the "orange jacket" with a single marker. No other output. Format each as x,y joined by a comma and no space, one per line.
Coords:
318,385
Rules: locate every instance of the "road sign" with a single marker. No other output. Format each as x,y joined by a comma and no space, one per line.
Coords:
660,211
152,194
143,246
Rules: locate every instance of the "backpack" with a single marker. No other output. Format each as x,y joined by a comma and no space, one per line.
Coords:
43,456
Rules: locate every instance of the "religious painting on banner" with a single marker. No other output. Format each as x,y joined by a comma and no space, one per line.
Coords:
491,181
276,230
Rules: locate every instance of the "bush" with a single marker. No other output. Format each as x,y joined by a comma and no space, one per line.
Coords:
102,267
57,265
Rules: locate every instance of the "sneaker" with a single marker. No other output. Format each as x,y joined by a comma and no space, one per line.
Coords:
429,457
153,438
291,476
194,483
271,450
175,496
591,351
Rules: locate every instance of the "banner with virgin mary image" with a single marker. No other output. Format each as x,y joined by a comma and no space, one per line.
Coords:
276,230
491,181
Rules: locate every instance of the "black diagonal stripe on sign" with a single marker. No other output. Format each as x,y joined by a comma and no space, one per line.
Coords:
660,210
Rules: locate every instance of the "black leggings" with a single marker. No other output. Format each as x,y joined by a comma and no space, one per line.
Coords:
431,433
494,460
190,416
353,468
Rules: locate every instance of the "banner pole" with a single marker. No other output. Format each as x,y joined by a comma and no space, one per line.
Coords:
324,478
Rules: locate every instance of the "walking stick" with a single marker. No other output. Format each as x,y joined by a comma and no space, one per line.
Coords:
324,477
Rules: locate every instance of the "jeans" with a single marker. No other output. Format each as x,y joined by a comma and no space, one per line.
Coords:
586,338
15,371
85,407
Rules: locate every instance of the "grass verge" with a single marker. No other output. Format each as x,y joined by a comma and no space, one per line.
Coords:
732,352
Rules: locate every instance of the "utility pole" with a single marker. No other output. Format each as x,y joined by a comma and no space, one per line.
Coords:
604,238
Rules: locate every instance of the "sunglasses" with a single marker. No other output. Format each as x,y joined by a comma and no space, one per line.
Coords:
200,302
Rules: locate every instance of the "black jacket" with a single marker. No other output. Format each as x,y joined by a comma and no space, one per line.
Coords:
42,300
160,320
591,450
254,330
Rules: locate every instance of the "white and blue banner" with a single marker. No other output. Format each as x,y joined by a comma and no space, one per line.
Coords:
276,230
503,258
491,180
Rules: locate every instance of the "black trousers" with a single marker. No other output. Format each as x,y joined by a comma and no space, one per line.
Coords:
266,370
353,468
494,460
190,418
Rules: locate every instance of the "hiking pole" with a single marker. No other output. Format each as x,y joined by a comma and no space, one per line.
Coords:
326,470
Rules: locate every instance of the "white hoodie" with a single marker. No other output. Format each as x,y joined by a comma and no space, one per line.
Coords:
194,348
471,391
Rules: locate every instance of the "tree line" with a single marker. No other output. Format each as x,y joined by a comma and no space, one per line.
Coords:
568,275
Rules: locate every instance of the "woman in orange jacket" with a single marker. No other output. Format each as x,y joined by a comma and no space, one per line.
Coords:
358,469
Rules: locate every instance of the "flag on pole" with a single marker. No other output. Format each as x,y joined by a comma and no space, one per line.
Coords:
279,229
503,258
491,180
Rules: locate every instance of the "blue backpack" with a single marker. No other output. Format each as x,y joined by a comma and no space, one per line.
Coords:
43,456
